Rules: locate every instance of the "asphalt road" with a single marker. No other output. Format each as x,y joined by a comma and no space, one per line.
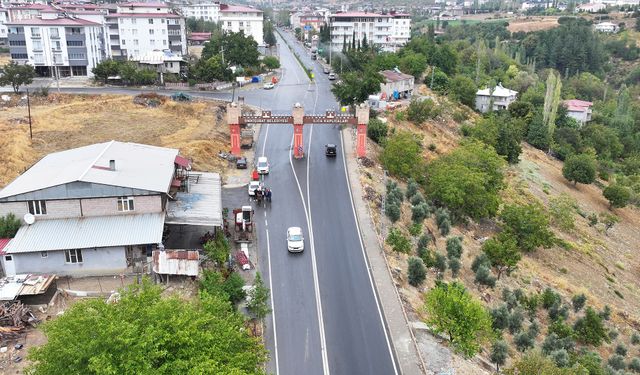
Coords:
325,317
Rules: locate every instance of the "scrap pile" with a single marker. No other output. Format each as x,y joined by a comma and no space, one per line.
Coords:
14,317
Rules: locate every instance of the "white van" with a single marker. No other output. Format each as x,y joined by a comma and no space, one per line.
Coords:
263,165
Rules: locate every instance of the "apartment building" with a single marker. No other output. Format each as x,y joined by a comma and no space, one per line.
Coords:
307,21
205,11
57,45
4,18
137,29
236,18
389,32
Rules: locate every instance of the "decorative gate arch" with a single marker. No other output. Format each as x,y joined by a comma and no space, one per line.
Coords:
235,119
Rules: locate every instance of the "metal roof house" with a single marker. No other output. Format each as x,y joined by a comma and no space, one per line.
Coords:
494,99
95,210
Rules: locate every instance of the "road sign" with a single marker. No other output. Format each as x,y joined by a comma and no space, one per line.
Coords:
307,28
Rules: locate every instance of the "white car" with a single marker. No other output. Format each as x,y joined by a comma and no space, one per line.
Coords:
295,240
268,86
263,165
332,76
253,186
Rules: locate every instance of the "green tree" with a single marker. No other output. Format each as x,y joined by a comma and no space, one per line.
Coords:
16,75
413,63
416,272
218,249
237,48
499,353
438,81
454,247
9,225
534,363
377,130
402,154
578,301
269,36
210,70
590,328
144,333
105,69
355,87
467,180
420,111
580,168
452,310
258,299
398,241
529,224
538,133
503,252
233,287
271,62
463,89
617,195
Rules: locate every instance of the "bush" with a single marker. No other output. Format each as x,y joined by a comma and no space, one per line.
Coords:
442,214
9,226
621,350
613,334
635,338
605,313
427,257
560,357
617,362
463,89
590,328
591,362
529,224
617,195
561,329
377,130
424,240
415,229
559,311
420,212
634,365
440,263
530,303
233,287
534,329
552,343
398,241
392,210
523,342
500,317
417,199
484,277
454,247
420,111
445,227
562,210
549,298
515,321
578,301
402,154
417,272
580,168
412,188
455,265
480,260
499,353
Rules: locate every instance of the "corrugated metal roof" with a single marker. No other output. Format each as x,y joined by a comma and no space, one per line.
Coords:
499,91
202,205
88,232
176,262
395,76
137,166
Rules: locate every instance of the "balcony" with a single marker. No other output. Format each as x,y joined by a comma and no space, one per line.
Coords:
36,36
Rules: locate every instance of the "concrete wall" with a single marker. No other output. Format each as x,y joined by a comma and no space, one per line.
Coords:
17,208
109,206
101,261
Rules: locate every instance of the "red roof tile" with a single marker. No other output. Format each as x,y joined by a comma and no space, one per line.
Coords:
144,15
237,8
359,14
54,22
3,243
144,5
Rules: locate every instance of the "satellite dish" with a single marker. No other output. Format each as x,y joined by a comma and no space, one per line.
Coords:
29,218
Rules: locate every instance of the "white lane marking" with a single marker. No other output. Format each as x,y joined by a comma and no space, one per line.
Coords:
273,311
316,284
266,135
366,261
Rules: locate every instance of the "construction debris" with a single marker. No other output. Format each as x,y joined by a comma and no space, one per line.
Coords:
14,317
151,99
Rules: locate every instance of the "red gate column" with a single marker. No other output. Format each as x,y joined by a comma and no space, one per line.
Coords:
362,117
298,125
233,119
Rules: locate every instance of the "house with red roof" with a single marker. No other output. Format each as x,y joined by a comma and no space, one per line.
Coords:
579,110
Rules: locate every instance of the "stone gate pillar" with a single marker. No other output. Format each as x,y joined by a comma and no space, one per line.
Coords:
362,116
298,128
233,119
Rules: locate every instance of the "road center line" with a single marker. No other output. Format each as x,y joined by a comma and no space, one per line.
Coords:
366,260
273,314
323,343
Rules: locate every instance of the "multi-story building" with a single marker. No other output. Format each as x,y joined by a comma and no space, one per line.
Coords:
205,11
137,29
57,46
495,99
236,18
389,32
4,18
307,21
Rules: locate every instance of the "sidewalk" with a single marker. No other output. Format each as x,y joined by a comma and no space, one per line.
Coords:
402,338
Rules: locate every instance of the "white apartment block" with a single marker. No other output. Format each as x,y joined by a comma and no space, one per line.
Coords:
137,29
236,18
4,18
57,45
389,32
205,11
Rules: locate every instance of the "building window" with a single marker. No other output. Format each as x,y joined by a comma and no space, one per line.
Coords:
38,58
124,42
56,45
19,56
135,42
44,254
37,207
134,31
35,32
164,31
8,258
125,204
133,21
152,42
74,30
150,21
151,31
162,20
18,43
73,256
54,32
164,42
77,56
75,43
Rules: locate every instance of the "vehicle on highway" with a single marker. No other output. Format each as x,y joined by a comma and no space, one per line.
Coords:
253,186
332,76
330,149
326,70
268,86
295,240
241,163
263,165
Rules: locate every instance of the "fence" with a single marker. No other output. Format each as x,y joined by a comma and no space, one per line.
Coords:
198,86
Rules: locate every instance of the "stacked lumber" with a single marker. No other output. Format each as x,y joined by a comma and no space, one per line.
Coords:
14,317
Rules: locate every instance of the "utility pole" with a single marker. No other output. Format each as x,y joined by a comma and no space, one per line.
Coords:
222,53
383,207
29,110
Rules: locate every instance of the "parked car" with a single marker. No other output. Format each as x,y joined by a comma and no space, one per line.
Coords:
241,163
268,86
326,70
332,76
253,186
263,165
295,240
330,149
